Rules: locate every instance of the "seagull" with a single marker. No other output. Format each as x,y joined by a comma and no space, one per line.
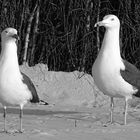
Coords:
113,75
16,88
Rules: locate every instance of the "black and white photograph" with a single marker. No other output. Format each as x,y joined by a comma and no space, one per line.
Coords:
69,69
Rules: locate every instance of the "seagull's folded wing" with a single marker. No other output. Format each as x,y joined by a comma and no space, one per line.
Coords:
132,75
31,87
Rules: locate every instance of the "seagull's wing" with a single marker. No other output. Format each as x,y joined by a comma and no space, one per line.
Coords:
131,74
26,80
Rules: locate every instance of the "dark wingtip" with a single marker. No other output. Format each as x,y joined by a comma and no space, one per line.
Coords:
43,102
137,94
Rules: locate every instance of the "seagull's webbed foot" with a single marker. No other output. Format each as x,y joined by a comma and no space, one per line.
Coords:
21,131
14,131
3,131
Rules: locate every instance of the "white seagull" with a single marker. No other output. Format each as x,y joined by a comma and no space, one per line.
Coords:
114,76
16,89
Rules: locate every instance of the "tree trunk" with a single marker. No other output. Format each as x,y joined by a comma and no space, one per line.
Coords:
98,18
35,30
25,61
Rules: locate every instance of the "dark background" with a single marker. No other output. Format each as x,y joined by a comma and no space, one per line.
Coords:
61,33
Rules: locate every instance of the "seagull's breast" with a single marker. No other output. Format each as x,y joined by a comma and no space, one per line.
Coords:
106,73
12,90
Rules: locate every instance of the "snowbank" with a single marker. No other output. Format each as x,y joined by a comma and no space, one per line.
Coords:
65,88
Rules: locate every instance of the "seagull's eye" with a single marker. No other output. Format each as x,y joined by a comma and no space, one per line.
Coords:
6,32
112,19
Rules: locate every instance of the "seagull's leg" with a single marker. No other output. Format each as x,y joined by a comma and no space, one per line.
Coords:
125,110
111,110
20,116
111,113
4,115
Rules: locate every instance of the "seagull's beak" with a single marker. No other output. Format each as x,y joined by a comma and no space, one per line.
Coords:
15,36
101,23
97,24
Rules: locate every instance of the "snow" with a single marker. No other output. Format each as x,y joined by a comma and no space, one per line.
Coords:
64,88
87,107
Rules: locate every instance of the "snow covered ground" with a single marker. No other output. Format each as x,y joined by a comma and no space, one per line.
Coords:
77,111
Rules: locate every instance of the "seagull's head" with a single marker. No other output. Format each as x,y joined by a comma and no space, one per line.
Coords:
109,21
9,34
